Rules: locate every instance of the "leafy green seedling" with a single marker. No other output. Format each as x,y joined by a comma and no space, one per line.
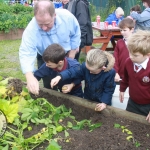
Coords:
137,144
116,125
129,137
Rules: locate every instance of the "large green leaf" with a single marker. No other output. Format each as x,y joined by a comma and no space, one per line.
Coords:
10,110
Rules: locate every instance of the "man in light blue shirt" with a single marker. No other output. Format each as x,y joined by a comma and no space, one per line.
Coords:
47,27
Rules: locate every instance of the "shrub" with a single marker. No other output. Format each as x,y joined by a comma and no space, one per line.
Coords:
14,16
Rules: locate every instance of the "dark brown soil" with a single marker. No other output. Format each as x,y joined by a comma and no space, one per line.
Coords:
105,137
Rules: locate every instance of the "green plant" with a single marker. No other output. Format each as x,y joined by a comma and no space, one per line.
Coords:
14,16
34,112
129,134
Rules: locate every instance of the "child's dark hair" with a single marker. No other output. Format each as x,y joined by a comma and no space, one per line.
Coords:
136,8
54,53
126,23
147,1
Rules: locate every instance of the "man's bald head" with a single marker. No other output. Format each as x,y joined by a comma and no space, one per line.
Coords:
43,7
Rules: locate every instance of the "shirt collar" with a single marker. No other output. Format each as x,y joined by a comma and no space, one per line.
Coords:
64,67
125,41
143,64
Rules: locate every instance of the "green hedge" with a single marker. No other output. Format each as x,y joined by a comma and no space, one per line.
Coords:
14,16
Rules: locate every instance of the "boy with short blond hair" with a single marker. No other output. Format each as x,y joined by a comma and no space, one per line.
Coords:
121,51
137,74
98,74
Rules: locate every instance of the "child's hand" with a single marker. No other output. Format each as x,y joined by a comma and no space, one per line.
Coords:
100,106
55,81
117,77
148,117
67,88
121,97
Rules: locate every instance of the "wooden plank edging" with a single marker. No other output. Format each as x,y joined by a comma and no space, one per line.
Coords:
12,35
90,105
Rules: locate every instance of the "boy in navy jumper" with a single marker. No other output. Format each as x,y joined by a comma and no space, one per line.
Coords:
137,74
121,52
55,62
98,74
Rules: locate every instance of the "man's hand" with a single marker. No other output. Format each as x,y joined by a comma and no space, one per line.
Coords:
148,117
121,97
72,53
55,81
32,83
100,106
67,88
117,77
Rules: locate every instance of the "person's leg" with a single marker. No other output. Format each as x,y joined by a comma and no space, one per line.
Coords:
46,80
77,55
138,109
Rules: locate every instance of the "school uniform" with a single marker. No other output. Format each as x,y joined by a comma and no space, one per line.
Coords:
98,87
138,81
45,71
121,53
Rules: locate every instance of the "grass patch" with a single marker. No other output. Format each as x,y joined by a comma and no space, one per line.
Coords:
9,59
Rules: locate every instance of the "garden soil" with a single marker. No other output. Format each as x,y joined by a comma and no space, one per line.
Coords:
105,137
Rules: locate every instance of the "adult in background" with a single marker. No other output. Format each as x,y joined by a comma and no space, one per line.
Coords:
48,26
65,4
80,9
142,19
117,16
136,8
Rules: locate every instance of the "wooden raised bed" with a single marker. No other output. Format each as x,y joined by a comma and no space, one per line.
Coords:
12,35
105,137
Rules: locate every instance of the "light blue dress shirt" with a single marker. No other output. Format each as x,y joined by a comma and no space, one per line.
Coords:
66,32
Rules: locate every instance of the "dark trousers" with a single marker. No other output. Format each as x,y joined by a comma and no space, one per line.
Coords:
78,54
137,108
46,80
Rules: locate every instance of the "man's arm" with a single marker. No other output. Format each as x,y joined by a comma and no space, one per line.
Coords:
144,16
27,50
75,36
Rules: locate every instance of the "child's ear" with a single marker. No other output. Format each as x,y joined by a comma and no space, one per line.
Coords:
148,54
103,68
132,29
60,62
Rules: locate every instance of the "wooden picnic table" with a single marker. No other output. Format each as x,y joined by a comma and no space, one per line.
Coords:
106,35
